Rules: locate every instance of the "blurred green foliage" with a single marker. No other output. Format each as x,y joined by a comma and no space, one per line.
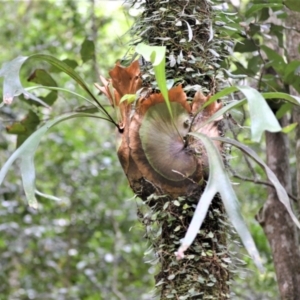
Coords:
87,244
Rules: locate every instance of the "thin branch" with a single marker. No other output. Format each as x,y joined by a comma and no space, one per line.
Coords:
256,181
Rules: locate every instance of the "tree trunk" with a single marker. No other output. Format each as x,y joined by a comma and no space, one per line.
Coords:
293,21
276,222
182,26
166,167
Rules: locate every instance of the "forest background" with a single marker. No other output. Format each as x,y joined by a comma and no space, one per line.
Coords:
87,243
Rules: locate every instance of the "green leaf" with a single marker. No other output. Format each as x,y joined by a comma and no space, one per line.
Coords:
129,97
292,5
239,68
50,98
254,64
283,110
289,128
280,190
278,31
218,182
253,29
16,128
246,45
24,128
30,122
157,56
292,67
276,60
26,154
264,14
291,76
87,50
257,7
42,77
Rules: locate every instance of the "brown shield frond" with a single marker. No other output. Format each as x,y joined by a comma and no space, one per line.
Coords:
155,151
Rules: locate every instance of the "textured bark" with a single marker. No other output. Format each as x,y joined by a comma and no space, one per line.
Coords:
292,43
193,56
276,222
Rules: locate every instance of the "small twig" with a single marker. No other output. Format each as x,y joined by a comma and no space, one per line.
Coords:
256,181
184,176
187,2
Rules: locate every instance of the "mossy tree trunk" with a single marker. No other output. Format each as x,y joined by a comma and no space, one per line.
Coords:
193,56
166,167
